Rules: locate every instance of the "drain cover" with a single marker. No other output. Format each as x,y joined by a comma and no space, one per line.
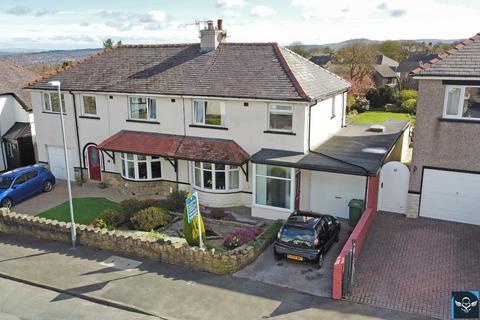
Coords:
121,263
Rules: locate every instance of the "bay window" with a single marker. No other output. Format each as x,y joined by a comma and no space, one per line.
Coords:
462,102
273,186
140,167
51,103
209,113
216,177
281,118
143,108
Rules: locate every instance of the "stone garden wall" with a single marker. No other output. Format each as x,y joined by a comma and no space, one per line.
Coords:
158,250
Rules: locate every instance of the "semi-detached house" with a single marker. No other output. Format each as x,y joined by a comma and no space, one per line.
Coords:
237,122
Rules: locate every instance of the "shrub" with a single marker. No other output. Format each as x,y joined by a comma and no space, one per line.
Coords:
407,95
150,218
129,207
381,96
272,230
361,105
218,213
190,230
175,201
99,223
410,106
350,102
110,217
241,236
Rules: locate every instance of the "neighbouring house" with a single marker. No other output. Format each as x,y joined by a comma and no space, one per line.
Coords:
17,131
383,60
385,71
242,124
445,174
324,61
406,67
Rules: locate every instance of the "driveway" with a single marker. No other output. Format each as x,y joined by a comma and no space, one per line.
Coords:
414,265
300,276
59,195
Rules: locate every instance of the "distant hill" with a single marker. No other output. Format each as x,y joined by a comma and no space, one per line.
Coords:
52,57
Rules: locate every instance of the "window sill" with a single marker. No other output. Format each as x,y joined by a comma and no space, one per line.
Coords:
89,117
143,121
280,132
53,112
207,127
217,191
465,120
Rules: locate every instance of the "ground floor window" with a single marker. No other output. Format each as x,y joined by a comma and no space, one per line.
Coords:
273,186
217,177
140,167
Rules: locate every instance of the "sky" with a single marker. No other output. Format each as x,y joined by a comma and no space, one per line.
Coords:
50,24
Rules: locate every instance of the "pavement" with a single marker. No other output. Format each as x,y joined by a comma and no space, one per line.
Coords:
159,289
413,265
301,276
22,301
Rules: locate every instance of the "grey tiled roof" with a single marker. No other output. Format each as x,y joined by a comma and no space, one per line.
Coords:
463,60
415,61
385,71
382,59
12,79
321,60
242,70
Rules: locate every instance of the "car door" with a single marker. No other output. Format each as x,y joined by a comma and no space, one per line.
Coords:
18,192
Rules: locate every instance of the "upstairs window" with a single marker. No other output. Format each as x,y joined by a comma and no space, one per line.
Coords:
462,103
50,102
143,108
210,113
281,118
89,105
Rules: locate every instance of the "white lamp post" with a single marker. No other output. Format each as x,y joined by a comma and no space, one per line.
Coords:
74,230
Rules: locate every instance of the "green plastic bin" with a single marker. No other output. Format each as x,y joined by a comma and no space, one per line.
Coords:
356,208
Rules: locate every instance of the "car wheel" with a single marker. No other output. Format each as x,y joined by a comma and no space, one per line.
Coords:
320,261
276,255
6,203
47,186
337,237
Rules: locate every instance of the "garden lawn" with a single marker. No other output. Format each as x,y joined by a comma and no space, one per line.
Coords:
85,210
376,117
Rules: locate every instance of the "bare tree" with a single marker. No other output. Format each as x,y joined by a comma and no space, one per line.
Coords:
355,61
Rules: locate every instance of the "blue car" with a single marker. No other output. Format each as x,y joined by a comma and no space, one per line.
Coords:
23,183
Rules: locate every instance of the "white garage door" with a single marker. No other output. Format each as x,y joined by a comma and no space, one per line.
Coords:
56,161
452,196
330,193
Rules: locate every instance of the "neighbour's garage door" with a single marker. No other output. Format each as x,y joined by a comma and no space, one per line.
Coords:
452,196
330,193
56,161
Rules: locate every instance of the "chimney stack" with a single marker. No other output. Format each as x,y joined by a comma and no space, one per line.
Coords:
211,37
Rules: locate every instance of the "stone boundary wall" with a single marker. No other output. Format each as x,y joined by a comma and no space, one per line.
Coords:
157,250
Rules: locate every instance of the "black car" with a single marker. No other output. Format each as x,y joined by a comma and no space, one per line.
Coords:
306,237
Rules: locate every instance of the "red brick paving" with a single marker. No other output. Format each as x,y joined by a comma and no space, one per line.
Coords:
413,265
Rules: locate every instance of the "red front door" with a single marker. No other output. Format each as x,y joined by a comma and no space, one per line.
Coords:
297,190
94,170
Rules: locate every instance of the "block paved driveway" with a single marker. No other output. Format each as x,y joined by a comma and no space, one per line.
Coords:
414,264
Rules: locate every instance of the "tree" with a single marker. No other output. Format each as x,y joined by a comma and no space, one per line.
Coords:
355,61
108,43
392,49
412,47
299,48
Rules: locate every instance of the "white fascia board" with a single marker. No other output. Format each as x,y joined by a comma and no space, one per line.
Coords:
446,78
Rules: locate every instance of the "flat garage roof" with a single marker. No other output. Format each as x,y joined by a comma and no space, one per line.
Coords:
352,150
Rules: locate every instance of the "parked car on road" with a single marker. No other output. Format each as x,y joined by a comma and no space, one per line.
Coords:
307,237
23,183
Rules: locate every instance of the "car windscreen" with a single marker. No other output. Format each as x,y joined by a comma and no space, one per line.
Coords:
297,236
5,182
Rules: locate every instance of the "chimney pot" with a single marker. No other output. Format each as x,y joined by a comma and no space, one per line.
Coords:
220,24
210,24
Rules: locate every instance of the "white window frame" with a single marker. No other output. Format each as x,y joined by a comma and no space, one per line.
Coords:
292,190
270,107
149,118
227,171
83,105
460,103
49,93
10,148
222,114
333,107
148,161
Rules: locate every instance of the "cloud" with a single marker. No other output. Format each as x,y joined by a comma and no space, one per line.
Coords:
230,4
84,24
231,13
19,11
262,11
44,12
382,6
154,16
398,13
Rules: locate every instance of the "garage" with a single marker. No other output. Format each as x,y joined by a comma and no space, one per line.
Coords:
56,161
331,192
451,195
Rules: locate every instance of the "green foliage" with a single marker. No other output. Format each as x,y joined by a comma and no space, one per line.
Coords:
360,105
410,106
155,235
272,231
380,97
407,95
110,217
190,230
99,223
299,49
150,219
175,201
392,49
376,117
129,207
350,102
